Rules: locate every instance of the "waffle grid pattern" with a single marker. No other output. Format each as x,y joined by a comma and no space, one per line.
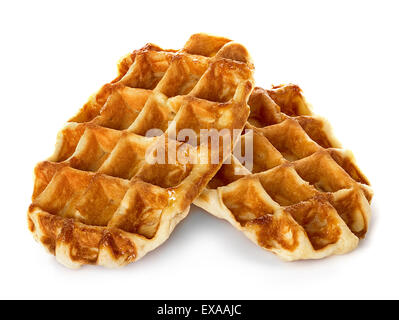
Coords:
305,197
97,200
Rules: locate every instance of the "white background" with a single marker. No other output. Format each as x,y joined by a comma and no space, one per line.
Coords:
343,54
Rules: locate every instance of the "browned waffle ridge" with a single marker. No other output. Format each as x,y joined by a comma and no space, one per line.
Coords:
96,200
305,197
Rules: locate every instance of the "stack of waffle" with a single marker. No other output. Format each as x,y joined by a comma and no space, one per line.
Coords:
104,197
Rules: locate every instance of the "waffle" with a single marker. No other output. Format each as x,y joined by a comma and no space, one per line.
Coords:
97,199
304,197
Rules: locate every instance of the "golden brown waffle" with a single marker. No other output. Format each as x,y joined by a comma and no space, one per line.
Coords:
97,200
305,197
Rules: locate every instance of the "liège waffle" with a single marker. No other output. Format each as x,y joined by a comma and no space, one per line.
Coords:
97,200
305,197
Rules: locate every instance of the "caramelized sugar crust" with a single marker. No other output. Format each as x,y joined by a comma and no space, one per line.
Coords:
305,197
97,200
